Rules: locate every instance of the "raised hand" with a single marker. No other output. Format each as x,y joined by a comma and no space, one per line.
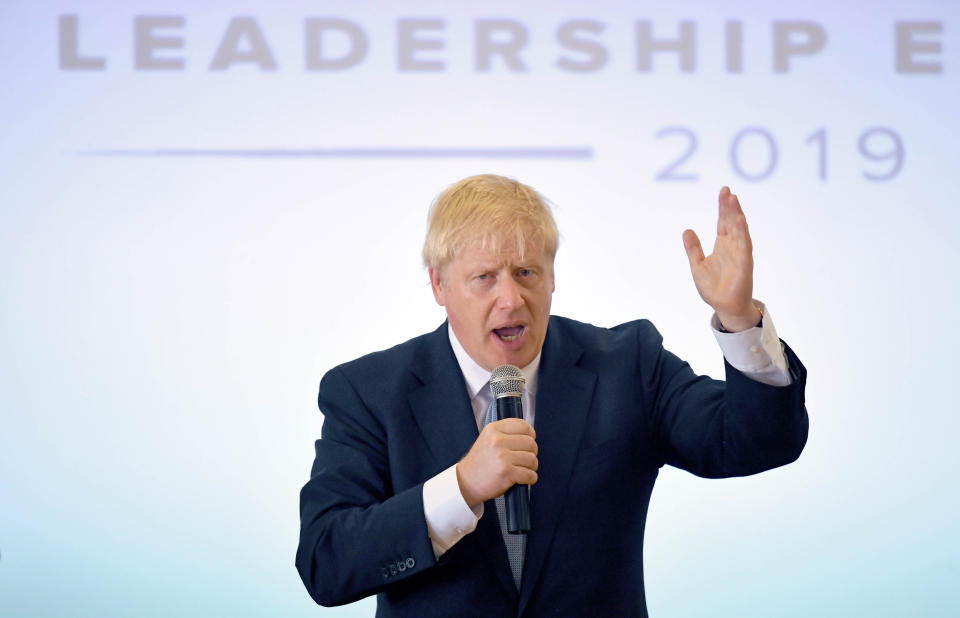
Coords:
724,279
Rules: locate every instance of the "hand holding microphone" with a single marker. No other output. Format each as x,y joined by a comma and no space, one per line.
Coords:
504,457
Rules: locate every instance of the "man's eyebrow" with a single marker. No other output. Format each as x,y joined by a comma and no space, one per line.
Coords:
484,268
492,265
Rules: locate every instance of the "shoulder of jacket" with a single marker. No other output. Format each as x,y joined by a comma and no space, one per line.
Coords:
592,336
395,358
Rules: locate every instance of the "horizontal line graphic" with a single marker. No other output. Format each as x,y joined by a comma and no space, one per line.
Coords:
537,152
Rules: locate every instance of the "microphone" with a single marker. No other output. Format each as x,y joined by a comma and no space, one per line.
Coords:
507,382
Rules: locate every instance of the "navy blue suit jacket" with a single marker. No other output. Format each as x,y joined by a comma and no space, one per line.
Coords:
612,407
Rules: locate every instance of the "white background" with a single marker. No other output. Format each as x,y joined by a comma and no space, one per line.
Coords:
165,320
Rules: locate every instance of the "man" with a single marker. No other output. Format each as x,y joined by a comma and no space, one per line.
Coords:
402,498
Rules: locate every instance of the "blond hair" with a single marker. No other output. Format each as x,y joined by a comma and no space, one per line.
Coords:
493,212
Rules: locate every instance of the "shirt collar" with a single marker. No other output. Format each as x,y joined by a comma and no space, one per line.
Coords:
477,377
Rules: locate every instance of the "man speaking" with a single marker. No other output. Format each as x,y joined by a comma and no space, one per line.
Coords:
405,497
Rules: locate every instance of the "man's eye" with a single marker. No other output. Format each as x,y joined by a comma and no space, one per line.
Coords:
524,272
483,277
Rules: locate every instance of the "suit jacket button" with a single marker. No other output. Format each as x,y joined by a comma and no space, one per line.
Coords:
386,574
411,563
401,566
393,569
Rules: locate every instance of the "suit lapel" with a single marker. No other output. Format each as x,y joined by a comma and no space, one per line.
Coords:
441,408
564,393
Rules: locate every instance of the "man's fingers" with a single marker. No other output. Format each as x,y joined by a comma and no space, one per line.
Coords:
524,476
514,426
731,222
525,460
723,209
516,442
734,203
692,244
737,222
505,453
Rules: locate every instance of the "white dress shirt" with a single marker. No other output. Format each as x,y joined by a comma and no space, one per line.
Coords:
755,352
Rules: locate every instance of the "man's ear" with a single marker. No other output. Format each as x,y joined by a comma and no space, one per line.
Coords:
437,286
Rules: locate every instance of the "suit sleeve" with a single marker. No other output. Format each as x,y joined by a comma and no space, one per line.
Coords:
718,429
356,536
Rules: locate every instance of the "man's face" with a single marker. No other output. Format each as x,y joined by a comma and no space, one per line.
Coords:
498,305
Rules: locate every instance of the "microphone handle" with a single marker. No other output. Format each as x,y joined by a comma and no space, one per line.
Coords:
517,497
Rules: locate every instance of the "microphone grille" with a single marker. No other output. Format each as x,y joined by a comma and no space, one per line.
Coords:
507,380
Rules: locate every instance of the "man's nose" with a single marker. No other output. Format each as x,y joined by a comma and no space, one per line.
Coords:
508,294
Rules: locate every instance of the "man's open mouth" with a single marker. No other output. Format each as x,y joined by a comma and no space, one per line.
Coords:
509,333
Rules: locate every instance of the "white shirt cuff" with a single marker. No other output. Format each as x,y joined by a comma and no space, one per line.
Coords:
448,516
756,352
